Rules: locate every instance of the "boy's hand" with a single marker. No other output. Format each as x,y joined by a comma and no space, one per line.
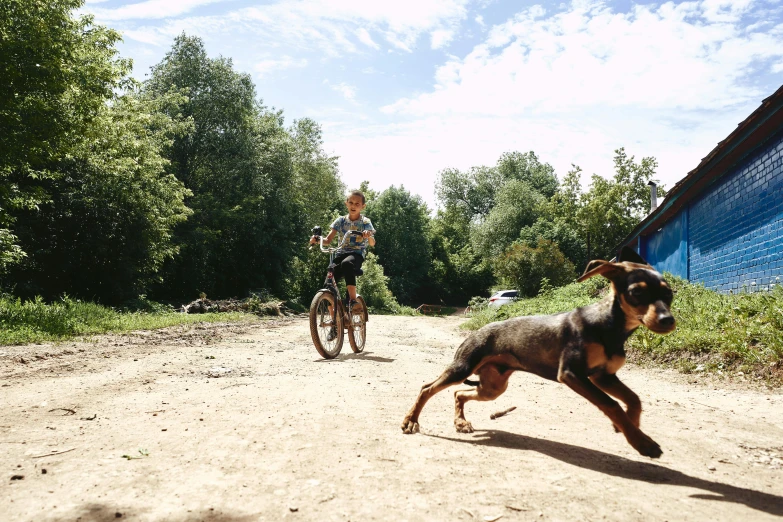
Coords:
314,240
367,233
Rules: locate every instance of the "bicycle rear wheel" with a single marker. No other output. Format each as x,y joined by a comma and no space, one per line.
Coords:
326,319
357,328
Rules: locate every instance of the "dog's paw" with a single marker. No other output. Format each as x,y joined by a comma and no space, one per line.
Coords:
409,426
463,426
648,447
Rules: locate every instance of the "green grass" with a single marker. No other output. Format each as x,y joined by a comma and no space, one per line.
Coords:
715,332
36,321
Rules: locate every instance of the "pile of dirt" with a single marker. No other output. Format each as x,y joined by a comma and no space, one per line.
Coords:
250,305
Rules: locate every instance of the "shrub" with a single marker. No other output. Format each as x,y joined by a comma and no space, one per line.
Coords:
374,287
524,267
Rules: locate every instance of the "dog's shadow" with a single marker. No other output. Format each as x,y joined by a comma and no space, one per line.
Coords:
625,468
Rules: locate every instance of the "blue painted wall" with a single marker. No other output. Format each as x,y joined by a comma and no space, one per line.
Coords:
731,236
736,226
667,249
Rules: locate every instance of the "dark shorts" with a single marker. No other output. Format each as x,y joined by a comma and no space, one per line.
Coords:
346,265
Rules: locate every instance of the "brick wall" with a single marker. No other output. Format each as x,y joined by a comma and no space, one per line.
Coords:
736,228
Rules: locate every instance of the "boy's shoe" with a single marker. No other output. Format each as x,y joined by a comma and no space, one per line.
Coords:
351,304
332,334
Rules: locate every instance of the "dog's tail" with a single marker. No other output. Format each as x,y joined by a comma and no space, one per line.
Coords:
470,383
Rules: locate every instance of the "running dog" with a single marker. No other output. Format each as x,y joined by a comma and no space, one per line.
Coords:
582,349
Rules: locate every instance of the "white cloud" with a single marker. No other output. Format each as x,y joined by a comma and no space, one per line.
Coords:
348,91
328,26
441,37
151,9
668,57
285,62
364,36
668,81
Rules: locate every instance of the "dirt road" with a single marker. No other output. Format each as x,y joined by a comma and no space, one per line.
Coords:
134,427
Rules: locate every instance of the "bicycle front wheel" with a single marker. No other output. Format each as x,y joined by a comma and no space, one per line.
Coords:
326,325
357,328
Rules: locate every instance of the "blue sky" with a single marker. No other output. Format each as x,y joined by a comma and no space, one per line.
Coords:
404,89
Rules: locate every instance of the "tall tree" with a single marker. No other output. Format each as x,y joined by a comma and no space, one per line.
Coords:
527,167
319,195
106,230
611,208
516,206
403,248
237,161
56,73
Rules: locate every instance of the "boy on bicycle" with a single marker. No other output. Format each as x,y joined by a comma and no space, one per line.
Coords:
350,256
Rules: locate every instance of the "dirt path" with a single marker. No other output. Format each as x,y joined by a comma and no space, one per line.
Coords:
288,436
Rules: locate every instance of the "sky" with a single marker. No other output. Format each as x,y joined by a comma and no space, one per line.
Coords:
406,88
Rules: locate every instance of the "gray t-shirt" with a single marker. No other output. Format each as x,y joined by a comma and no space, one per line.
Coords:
353,243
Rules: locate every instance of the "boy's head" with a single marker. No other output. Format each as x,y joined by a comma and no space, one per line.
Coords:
355,201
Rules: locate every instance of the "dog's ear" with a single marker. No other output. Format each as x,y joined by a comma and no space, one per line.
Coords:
630,255
600,267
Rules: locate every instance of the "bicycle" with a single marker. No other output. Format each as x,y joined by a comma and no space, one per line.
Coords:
328,313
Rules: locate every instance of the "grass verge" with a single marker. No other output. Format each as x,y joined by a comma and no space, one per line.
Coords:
720,333
36,321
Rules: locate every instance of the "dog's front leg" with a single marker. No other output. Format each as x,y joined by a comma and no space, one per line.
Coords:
612,385
582,385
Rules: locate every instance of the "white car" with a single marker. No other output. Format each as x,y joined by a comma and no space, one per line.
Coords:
503,297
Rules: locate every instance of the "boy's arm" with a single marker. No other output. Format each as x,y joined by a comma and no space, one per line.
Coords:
369,233
327,239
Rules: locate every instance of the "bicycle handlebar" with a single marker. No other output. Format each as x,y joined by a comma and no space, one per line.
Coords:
317,232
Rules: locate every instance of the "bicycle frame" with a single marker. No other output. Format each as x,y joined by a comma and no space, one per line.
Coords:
330,284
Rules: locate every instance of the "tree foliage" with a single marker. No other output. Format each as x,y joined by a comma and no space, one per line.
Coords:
237,162
611,208
106,230
403,248
57,73
526,267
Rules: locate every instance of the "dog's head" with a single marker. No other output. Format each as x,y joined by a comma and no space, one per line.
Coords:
644,295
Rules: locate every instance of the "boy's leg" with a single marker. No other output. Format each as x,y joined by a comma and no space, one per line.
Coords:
349,265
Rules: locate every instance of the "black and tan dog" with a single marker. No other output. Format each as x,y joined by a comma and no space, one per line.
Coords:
583,349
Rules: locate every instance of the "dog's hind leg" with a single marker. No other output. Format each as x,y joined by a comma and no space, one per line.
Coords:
493,381
454,374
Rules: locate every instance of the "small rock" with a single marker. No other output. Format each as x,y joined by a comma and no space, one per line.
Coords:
293,509
218,371
17,477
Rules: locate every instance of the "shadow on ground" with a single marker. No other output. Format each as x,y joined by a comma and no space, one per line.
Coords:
102,513
358,356
625,468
